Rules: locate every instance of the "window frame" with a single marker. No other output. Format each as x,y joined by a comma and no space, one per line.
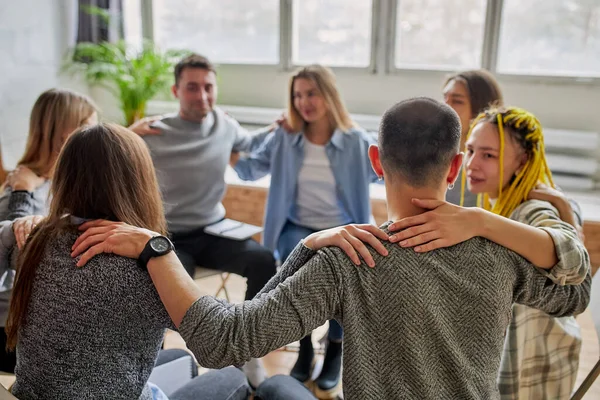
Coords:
383,41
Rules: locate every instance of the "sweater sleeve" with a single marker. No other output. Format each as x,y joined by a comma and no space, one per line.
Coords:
20,204
7,242
246,141
535,289
221,334
573,260
258,163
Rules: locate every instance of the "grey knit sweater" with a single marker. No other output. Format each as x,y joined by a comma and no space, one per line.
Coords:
15,205
91,332
417,326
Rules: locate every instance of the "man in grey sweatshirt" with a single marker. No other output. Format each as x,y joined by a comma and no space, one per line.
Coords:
418,325
191,151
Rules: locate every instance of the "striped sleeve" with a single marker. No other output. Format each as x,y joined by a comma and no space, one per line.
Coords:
573,259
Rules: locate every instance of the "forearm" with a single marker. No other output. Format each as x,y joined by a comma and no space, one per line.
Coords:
531,243
249,169
253,140
177,290
221,334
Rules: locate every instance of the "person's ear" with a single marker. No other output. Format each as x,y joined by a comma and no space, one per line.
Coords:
375,160
455,167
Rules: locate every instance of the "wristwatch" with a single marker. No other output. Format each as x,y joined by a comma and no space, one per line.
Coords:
156,247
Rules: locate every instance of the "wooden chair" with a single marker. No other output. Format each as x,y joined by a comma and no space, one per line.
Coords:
595,311
203,273
5,394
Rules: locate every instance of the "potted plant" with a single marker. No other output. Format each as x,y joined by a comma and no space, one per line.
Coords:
133,74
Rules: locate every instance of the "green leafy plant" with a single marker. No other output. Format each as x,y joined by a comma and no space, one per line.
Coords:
133,74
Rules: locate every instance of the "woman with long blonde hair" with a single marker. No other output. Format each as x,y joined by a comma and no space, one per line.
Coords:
55,115
320,176
506,166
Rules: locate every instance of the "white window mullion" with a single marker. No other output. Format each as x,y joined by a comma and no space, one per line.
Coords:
378,38
147,20
390,35
285,33
491,34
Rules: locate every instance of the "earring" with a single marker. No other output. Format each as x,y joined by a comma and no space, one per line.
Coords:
380,178
451,186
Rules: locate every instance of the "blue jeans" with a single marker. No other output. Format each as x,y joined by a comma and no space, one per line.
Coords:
290,236
228,383
283,387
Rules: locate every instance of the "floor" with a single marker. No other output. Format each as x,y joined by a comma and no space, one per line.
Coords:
281,361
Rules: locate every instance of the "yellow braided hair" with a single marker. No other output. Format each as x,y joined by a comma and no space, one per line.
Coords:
526,128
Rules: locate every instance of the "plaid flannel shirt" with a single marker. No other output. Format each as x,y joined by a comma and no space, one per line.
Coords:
541,353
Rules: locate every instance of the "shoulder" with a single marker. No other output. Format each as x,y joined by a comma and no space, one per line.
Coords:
42,191
221,116
113,267
279,134
360,135
170,119
532,210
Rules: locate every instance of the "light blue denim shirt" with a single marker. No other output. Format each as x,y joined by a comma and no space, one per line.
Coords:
282,154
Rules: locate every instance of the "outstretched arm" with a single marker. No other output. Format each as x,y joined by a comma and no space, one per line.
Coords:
176,288
542,238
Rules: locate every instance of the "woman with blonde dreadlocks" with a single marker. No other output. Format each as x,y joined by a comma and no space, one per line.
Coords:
506,166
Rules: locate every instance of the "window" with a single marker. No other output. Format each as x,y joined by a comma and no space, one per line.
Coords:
533,37
332,32
439,34
550,37
132,22
226,31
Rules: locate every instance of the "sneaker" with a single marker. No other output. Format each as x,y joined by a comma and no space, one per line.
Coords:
255,372
304,364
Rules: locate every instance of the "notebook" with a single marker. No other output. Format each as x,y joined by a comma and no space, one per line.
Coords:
231,229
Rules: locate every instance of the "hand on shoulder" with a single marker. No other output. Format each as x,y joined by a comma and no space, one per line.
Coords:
144,127
23,178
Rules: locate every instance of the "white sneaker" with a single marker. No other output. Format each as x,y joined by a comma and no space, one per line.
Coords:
255,372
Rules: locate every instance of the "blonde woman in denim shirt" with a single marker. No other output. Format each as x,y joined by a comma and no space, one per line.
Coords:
320,176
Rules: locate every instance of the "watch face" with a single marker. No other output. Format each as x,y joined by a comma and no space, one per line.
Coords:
160,244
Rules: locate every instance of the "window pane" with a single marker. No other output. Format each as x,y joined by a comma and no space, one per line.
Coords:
439,34
132,22
550,37
226,31
332,32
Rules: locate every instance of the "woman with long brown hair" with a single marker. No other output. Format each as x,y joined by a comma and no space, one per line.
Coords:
96,331
55,115
469,93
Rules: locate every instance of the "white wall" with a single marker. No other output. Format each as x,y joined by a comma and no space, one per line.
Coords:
33,39
557,105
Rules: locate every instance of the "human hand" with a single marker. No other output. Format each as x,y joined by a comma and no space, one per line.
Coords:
143,126
101,236
444,225
23,178
351,239
23,226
